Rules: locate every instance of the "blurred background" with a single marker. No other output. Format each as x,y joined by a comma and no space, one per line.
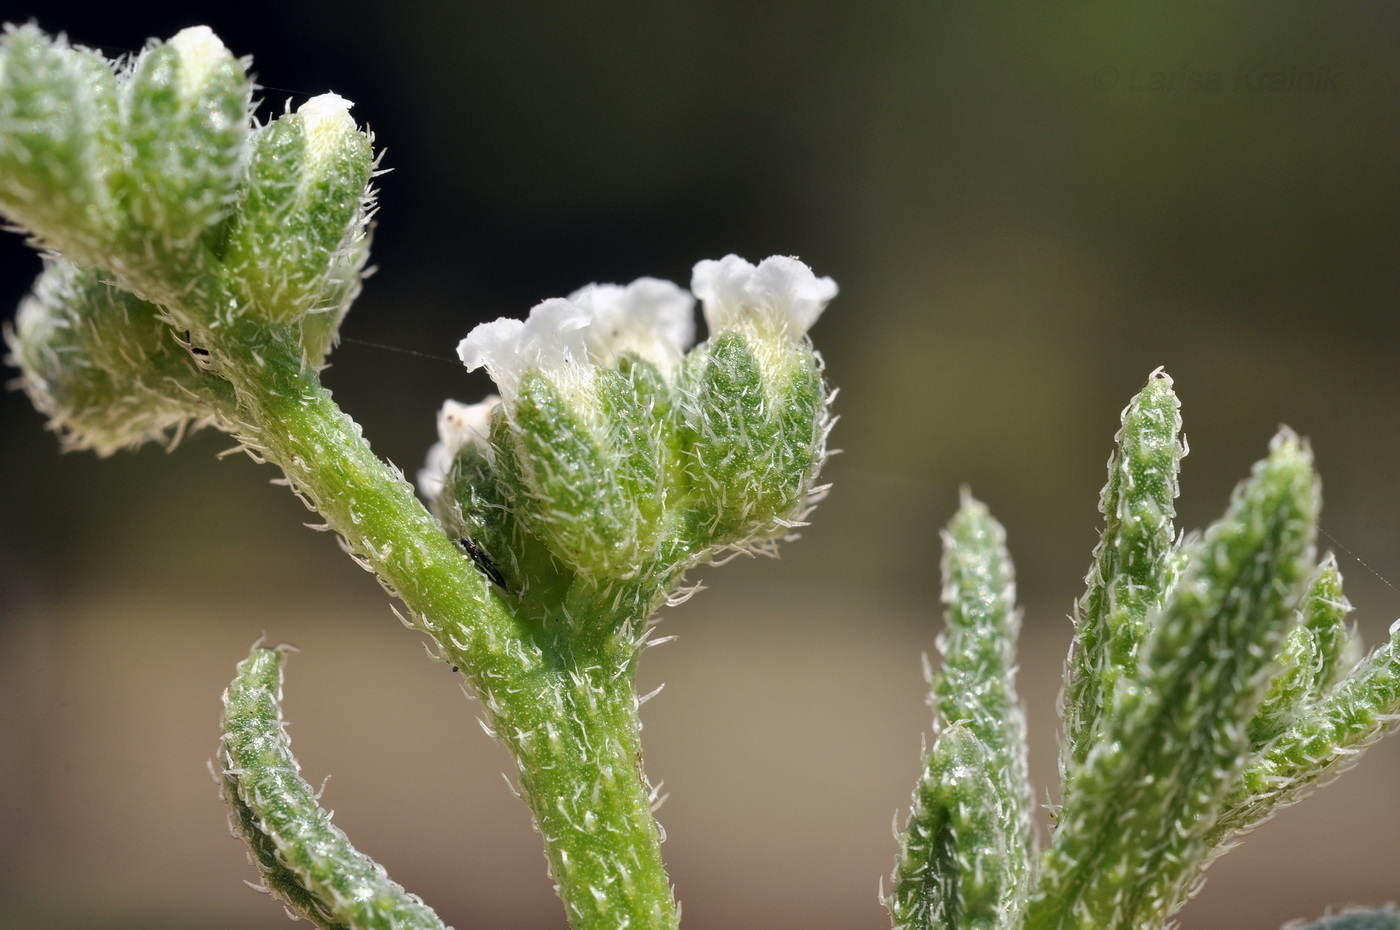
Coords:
1028,209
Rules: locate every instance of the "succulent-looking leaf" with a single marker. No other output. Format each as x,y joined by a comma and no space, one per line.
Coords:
304,860
953,870
1325,617
1133,829
975,685
1325,738
1131,567
1312,656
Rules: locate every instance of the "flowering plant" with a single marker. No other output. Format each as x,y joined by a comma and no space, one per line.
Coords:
198,268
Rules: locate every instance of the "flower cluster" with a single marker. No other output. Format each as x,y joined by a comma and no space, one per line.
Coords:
621,449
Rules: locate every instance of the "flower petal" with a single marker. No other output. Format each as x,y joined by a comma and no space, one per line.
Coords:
651,318
780,293
550,339
458,425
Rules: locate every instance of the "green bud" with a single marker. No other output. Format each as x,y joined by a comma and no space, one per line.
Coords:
187,114
302,218
586,479
104,366
59,134
755,407
754,429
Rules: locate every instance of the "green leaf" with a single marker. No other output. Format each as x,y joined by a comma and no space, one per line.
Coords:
1313,656
1382,918
1132,565
976,686
1133,829
1323,739
305,860
1325,618
953,869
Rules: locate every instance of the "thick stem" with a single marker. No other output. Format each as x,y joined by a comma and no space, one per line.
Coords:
566,712
579,755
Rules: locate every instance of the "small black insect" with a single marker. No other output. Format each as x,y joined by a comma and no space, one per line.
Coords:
483,562
201,354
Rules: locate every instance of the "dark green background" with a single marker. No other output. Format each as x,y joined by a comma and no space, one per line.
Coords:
1028,208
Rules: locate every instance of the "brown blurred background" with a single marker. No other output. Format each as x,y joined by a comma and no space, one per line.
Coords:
1028,208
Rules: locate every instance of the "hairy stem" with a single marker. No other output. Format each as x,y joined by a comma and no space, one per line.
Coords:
567,713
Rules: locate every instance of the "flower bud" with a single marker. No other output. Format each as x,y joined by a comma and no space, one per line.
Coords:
303,212
59,139
629,459
588,418
104,366
187,114
755,418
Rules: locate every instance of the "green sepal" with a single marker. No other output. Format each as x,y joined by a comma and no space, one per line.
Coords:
105,367
187,110
301,215
1134,827
753,432
476,509
638,408
320,329
303,858
576,493
59,132
1132,564
953,869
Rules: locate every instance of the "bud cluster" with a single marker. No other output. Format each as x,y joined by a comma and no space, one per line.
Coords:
151,178
616,454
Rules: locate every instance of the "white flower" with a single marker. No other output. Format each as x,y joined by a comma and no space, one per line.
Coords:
566,336
550,340
651,318
201,54
458,425
326,120
780,294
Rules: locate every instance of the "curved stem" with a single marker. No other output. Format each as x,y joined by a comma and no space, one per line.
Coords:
565,709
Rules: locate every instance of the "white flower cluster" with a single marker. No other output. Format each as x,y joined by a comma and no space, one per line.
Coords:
567,338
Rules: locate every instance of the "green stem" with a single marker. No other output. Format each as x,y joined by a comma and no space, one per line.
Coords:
566,709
